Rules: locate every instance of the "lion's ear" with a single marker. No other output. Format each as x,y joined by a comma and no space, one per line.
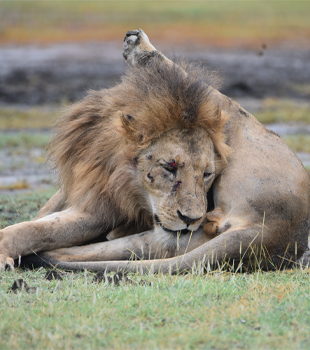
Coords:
127,123
122,122
118,123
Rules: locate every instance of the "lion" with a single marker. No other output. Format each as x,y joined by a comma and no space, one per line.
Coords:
163,173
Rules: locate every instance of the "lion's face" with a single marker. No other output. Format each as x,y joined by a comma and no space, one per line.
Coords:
177,171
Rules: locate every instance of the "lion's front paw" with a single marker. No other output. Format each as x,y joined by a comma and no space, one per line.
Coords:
6,262
136,45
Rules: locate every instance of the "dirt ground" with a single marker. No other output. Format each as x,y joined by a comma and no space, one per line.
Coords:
52,74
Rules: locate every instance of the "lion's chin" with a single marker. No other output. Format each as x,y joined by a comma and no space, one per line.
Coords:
158,222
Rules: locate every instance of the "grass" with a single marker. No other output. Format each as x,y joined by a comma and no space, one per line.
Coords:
303,89
24,140
298,143
217,310
22,207
279,110
220,23
19,185
22,153
21,118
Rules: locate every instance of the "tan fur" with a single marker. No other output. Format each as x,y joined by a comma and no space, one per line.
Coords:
165,153
95,144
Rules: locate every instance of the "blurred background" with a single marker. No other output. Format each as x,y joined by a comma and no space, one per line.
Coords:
52,52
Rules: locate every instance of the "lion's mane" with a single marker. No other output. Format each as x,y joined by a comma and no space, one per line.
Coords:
96,142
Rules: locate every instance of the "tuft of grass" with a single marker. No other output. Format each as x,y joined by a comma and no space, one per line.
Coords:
298,143
278,110
36,117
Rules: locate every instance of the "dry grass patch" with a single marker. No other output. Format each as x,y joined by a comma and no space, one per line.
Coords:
19,185
279,110
21,118
298,143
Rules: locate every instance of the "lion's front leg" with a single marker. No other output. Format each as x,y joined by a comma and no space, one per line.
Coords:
152,244
61,229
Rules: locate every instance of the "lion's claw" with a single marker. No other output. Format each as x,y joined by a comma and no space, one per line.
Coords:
6,263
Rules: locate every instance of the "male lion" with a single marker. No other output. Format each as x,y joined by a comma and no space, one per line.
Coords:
171,172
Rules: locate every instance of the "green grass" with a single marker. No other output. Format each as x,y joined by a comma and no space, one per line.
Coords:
22,207
216,22
218,310
298,143
24,151
24,140
278,110
36,117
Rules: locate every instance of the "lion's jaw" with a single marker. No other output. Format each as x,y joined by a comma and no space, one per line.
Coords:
177,171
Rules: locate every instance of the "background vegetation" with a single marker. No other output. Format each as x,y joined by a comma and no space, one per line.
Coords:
224,23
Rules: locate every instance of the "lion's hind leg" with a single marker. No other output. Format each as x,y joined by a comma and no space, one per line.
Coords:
141,246
138,246
137,49
233,250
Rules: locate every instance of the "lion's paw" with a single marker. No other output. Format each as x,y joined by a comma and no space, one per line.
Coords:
136,45
6,262
213,219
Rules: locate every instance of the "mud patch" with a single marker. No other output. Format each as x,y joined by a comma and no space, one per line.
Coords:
20,285
53,275
115,280
118,279
52,74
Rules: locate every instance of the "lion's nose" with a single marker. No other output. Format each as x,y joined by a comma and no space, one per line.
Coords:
187,219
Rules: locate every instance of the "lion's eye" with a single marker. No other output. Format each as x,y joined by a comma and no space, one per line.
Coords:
171,170
206,174
171,166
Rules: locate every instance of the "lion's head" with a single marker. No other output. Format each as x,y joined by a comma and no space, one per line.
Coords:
144,151
176,172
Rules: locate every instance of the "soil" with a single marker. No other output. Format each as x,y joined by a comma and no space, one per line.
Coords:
115,280
20,285
51,74
53,275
